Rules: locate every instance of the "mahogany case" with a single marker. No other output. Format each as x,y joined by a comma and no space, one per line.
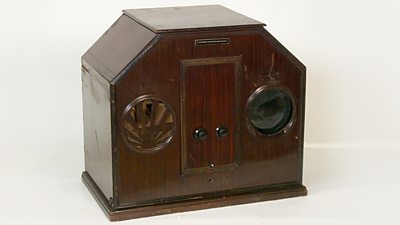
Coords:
188,108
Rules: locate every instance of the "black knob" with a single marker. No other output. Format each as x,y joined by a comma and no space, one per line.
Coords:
200,134
222,131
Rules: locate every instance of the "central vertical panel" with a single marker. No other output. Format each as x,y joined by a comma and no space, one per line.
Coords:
209,92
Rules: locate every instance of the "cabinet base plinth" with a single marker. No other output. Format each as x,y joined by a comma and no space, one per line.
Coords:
272,193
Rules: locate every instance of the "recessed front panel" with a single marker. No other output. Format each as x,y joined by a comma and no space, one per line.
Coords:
208,95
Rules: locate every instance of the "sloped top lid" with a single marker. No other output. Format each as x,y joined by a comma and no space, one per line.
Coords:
189,17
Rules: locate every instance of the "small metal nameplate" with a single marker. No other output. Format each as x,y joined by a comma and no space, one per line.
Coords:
212,41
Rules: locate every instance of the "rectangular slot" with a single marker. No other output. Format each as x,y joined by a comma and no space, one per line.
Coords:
212,41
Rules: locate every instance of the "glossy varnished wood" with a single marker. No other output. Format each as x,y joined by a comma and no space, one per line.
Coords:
122,42
224,199
263,161
203,85
189,18
209,94
97,128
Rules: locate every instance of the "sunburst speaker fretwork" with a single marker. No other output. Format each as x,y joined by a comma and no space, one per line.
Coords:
148,124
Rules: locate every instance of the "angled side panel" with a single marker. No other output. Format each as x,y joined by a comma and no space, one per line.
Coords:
301,73
119,45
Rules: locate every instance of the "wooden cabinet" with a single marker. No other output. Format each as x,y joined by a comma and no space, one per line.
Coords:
188,108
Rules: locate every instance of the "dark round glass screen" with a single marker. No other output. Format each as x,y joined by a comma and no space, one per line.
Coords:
270,110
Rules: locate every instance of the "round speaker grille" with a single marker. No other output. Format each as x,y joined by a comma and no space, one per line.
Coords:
148,124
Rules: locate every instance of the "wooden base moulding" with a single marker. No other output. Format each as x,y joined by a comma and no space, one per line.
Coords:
257,195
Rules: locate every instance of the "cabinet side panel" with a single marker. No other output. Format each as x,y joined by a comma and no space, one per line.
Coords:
97,128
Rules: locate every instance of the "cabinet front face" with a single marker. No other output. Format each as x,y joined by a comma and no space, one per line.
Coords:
209,95
196,121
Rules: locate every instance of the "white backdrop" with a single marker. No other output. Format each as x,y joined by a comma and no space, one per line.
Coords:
351,50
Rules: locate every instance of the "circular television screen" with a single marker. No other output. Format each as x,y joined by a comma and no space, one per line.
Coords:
270,110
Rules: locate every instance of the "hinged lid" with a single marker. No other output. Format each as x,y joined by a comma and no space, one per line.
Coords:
190,17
